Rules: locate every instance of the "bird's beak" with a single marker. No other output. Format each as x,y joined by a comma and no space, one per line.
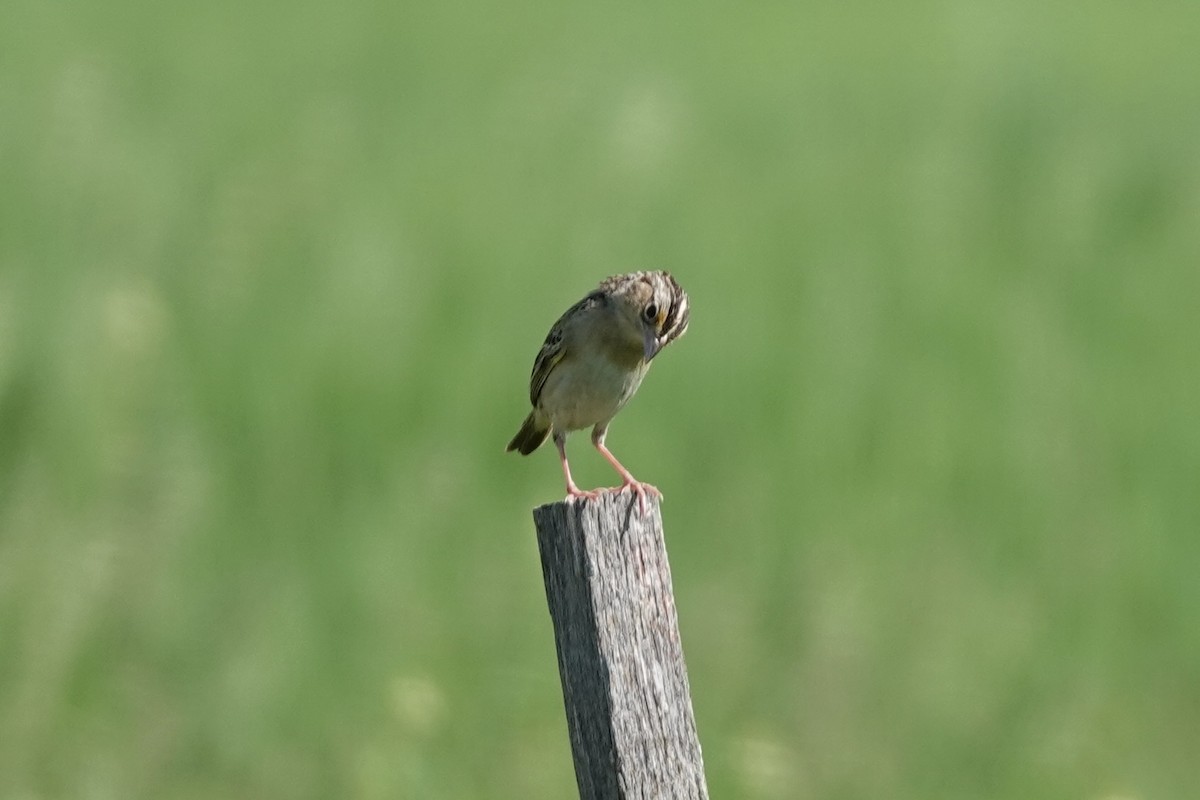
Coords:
650,343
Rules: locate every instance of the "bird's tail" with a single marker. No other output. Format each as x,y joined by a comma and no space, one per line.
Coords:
533,432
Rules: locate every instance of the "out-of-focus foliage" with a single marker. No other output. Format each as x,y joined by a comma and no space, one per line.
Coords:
271,281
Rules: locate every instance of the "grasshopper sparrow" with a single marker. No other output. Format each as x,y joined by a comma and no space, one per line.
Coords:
592,362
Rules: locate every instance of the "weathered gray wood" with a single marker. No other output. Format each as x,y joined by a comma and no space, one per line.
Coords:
625,687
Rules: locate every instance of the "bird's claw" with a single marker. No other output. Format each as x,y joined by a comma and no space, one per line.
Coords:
640,489
636,487
574,492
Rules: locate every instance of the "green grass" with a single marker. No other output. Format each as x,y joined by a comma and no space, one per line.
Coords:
271,282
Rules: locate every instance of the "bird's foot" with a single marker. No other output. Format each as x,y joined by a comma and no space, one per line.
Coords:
640,489
574,492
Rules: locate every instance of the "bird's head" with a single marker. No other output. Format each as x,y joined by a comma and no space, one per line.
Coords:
655,303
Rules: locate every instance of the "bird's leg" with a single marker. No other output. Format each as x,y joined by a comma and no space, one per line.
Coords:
629,482
560,441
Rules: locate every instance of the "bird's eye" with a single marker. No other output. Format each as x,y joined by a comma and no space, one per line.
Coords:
651,313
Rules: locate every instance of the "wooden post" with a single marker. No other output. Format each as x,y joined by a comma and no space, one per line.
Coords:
625,687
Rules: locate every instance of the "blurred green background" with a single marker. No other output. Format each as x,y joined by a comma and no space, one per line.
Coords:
272,277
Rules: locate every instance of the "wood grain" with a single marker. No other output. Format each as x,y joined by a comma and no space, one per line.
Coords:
625,686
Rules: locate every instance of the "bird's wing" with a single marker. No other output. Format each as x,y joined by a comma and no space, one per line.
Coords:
555,347
547,359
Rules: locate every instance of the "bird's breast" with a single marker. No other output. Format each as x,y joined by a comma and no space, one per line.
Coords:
582,392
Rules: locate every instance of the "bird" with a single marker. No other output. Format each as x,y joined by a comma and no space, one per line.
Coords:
592,363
